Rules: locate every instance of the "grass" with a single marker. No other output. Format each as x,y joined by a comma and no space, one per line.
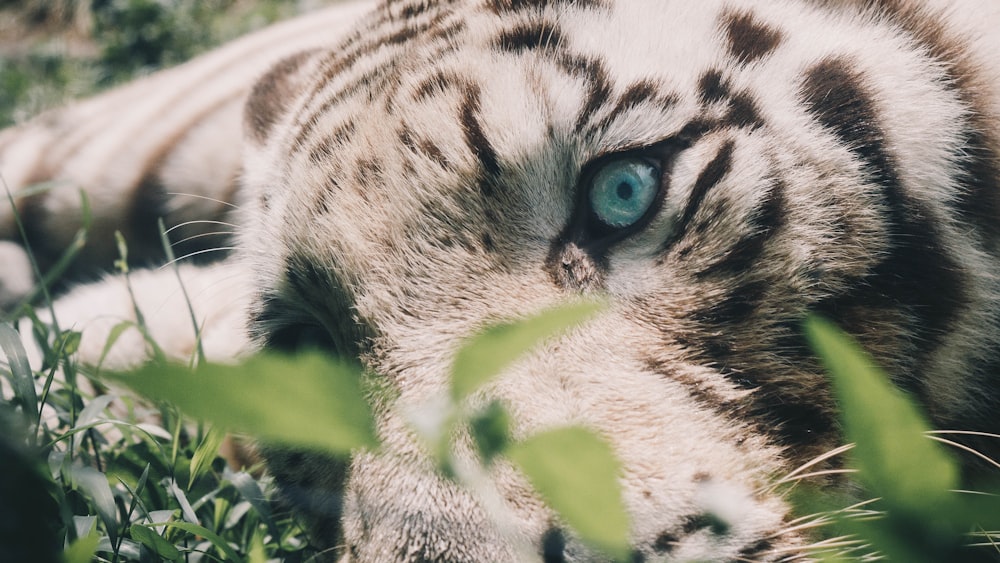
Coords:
104,476
119,472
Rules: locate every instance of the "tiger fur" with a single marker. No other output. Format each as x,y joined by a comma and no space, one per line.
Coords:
409,172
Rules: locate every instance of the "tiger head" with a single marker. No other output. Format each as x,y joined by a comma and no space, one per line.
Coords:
710,171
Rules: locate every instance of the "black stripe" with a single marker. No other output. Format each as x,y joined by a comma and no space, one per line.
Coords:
435,84
411,10
475,138
323,200
979,160
736,307
324,150
271,94
743,112
709,177
380,81
422,146
768,219
834,93
700,392
369,171
504,6
529,37
356,48
598,85
638,93
979,157
749,38
791,404
919,276
712,87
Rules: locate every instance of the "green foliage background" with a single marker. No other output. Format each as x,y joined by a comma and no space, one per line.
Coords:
52,51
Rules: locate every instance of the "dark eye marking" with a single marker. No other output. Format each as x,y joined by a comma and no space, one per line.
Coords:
710,176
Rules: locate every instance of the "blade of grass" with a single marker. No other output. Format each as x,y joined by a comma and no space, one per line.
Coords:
206,453
171,259
95,485
197,530
252,493
22,379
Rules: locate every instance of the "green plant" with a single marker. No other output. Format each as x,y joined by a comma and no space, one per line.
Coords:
921,513
284,399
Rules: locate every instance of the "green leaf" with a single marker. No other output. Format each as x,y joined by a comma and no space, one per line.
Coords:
187,511
95,485
206,453
257,553
576,473
491,431
82,550
22,381
887,429
215,539
251,492
68,342
308,400
89,416
487,354
113,336
154,542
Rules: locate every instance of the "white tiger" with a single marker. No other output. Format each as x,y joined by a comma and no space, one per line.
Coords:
412,171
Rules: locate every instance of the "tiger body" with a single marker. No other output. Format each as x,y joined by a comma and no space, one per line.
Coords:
405,174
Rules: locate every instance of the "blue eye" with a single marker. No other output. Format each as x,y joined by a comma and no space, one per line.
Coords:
623,190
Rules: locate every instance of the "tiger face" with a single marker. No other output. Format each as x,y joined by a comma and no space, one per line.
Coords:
714,170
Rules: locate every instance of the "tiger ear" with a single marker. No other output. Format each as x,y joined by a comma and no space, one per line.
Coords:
273,94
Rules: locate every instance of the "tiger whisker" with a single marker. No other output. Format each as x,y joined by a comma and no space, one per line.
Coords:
965,433
817,460
825,519
192,237
190,254
793,478
205,197
830,543
854,511
201,222
966,449
969,492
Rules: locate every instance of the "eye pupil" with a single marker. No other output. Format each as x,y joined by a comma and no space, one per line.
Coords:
623,190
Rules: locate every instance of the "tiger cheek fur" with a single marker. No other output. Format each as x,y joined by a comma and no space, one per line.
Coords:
447,166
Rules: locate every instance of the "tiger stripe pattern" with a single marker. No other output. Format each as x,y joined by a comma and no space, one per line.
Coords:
408,172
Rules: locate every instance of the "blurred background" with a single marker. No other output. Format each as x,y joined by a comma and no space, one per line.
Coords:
52,51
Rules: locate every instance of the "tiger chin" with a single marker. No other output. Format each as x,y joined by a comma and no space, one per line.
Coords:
409,172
